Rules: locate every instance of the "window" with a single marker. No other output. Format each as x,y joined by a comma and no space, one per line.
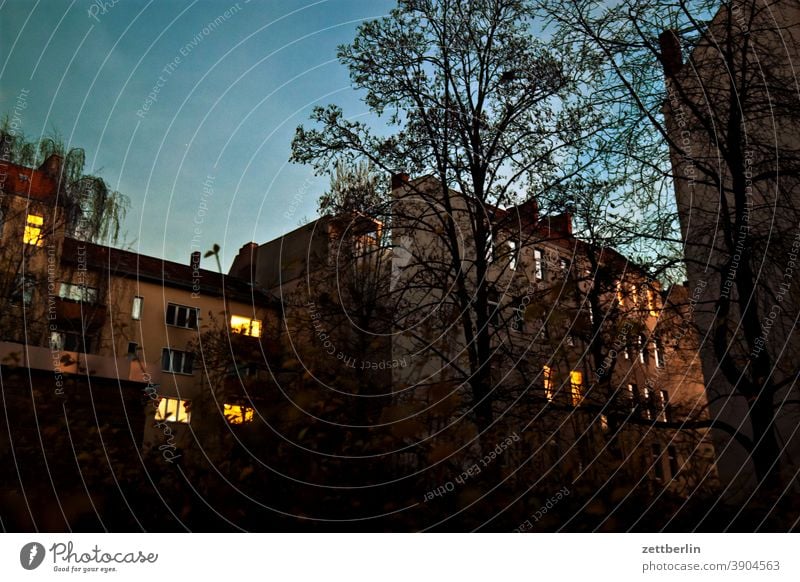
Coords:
570,340
672,456
633,395
132,347
74,292
136,308
620,294
647,402
603,423
23,289
237,414
576,387
68,341
182,316
176,361
563,266
664,413
651,303
538,266
547,382
512,255
246,326
33,230
658,468
174,410
642,343
658,354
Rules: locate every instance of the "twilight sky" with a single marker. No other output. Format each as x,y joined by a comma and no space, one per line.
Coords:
187,107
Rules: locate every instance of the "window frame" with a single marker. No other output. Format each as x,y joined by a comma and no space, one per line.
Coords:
32,235
189,310
548,382
136,314
186,358
538,265
180,406
86,293
238,329
576,387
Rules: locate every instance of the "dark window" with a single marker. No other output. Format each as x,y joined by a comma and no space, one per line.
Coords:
672,454
70,341
176,361
182,316
658,468
23,289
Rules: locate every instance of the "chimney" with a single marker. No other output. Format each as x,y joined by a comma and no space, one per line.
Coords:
194,262
245,261
52,166
399,179
529,211
561,223
671,57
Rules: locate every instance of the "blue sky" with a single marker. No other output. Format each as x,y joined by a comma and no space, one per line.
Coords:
188,107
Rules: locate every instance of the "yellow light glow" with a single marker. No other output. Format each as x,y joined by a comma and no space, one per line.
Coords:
246,325
651,303
173,410
576,385
547,374
33,230
236,414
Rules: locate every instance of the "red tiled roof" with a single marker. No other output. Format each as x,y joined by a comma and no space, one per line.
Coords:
28,182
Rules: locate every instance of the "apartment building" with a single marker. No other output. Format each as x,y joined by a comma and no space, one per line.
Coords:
731,112
374,300
117,331
586,353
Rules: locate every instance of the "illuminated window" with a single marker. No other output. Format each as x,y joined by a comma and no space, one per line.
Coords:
181,316
603,423
664,414
176,361
136,308
538,266
547,382
647,402
246,326
642,343
173,410
237,414
651,303
33,230
658,354
633,395
620,295
512,250
576,386
74,292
